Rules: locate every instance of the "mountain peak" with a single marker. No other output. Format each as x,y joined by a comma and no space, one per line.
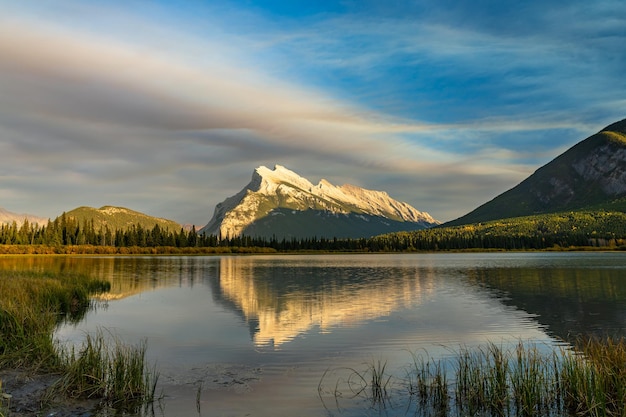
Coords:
270,179
590,173
616,127
271,191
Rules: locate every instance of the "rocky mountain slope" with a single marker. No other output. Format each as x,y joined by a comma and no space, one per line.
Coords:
8,217
119,218
590,174
281,203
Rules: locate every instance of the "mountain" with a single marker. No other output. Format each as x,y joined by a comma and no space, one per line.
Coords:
591,174
281,203
10,217
119,218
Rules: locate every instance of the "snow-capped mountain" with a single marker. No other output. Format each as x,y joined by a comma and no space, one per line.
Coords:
281,203
9,217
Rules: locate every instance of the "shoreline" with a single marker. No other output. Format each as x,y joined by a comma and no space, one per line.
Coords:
89,250
28,391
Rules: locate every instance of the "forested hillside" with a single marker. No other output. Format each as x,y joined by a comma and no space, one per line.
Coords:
591,173
576,228
67,230
119,218
579,229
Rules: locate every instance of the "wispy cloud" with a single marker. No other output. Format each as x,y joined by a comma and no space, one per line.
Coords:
112,107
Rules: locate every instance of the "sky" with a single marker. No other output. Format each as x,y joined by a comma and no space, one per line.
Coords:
167,107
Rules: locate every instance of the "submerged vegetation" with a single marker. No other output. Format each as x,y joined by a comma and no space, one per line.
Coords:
493,381
31,306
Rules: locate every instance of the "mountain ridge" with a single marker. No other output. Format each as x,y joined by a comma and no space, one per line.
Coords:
281,188
590,173
119,218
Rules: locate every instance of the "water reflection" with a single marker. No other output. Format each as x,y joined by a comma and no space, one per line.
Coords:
271,326
568,300
284,300
282,297
128,276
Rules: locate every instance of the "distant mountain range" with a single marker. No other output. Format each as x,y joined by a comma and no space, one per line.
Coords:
279,203
283,204
10,217
590,175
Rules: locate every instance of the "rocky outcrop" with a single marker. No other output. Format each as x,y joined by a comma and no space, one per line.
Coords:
592,173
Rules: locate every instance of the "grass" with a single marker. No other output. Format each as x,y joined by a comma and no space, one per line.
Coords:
589,380
595,381
107,369
32,305
5,402
373,384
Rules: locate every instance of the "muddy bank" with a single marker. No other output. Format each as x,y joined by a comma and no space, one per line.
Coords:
30,391
29,396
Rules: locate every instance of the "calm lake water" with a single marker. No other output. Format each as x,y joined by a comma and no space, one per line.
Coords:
271,335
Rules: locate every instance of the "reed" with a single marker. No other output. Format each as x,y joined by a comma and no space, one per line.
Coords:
379,381
30,307
594,380
33,304
428,383
588,380
106,368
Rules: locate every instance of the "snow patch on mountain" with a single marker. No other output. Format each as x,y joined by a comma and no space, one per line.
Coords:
283,188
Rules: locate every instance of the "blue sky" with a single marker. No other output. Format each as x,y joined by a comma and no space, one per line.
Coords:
167,107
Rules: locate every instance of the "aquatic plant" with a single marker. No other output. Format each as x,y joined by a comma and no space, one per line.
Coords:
31,306
525,380
371,384
594,381
106,368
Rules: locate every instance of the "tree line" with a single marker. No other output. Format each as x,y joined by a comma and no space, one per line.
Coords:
563,230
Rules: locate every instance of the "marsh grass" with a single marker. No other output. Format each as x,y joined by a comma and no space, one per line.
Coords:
373,385
427,382
379,381
5,402
594,381
524,380
33,304
107,369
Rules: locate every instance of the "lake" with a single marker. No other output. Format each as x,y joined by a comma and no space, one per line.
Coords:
272,335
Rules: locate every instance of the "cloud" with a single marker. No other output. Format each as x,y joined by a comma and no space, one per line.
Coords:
170,117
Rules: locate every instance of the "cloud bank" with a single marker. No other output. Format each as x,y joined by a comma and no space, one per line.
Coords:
169,113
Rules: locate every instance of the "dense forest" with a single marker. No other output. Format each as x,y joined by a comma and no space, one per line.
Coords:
548,231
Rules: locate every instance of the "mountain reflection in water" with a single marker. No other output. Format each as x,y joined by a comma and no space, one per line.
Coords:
285,300
570,301
258,332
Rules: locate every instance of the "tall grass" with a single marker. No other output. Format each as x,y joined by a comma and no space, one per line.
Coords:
525,380
594,381
31,306
107,369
